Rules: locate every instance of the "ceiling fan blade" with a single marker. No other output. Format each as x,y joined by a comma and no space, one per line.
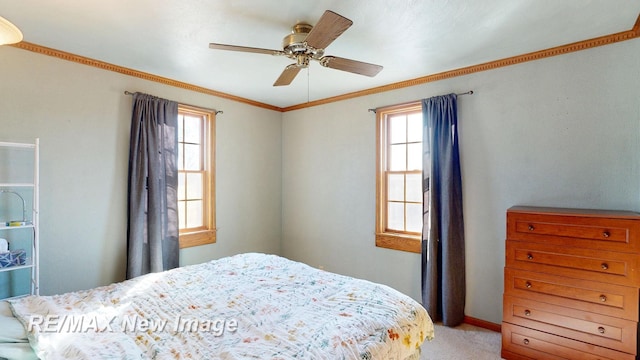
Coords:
328,28
287,75
244,49
352,66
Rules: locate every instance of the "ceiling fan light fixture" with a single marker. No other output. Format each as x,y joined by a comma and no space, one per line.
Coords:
9,33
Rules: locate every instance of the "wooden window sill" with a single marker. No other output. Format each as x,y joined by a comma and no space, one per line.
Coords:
399,242
197,238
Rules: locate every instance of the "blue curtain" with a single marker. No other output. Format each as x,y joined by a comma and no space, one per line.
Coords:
443,257
152,231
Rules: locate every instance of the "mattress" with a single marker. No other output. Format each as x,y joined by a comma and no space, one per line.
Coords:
248,306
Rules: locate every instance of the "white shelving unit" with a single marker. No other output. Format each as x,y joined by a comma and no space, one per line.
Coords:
22,232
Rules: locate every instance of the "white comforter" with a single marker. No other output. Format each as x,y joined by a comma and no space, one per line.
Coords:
249,306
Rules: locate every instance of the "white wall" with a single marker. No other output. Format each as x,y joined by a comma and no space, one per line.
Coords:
563,131
82,119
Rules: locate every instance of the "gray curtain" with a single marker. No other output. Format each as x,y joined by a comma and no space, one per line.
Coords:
152,232
443,258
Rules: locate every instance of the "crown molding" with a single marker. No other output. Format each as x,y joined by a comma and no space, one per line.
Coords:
536,55
135,73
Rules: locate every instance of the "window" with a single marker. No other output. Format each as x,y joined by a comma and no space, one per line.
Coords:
196,176
399,177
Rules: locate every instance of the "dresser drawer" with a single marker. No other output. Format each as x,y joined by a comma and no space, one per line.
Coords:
591,296
539,345
598,265
602,230
610,332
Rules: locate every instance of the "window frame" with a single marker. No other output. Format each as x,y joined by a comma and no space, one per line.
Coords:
396,240
207,233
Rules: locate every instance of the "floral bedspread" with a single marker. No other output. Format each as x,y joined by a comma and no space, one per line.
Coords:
248,306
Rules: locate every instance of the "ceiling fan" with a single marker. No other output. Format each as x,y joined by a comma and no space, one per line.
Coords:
307,43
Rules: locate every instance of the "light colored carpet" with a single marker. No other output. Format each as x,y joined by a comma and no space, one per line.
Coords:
464,342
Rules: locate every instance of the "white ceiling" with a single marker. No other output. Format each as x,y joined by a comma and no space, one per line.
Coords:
410,38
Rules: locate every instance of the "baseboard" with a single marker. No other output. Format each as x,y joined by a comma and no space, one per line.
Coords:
483,324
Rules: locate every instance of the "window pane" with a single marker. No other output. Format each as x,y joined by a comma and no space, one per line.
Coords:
395,214
192,157
414,217
414,187
398,129
396,187
182,214
415,156
180,128
194,214
194,186
398,158
192,129
181,184
414,127
180,156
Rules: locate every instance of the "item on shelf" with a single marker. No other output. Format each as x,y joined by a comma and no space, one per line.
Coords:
17,223
24,220
19,257
6,260
4,246
13,258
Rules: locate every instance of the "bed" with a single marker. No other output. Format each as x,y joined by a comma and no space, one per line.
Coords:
247,306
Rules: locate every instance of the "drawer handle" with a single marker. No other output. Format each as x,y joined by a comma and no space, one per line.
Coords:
531,228
601,330
603,298
527,313
606,234
529,257
525,341
604,266
528,285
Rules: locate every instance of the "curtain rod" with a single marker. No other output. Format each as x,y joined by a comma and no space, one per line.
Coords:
470,92
195,106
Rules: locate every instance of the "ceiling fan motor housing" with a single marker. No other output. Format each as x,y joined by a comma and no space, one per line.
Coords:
295,46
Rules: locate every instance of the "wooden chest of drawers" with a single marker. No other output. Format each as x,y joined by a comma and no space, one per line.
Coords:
571,284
